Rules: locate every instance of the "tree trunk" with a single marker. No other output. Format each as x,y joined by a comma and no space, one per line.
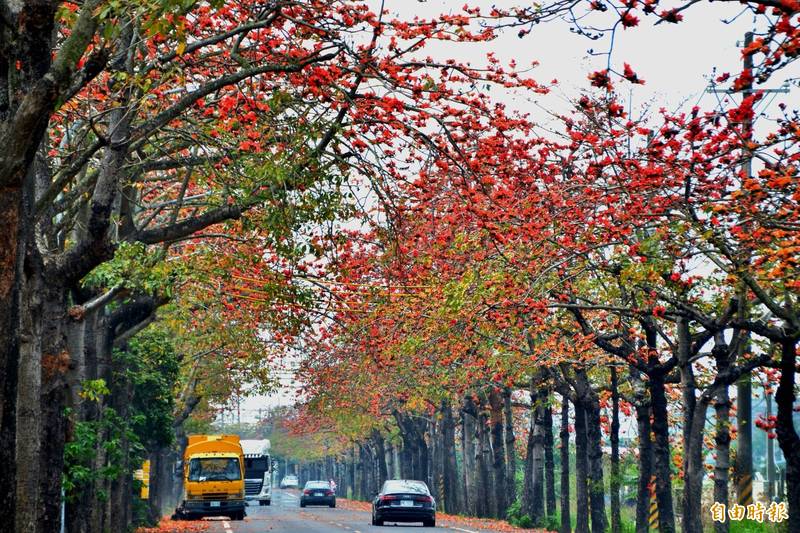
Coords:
536,509
500,487
722,441
390,462
691,514
645,468
10,241
29,421
528,480
661,452
549,460
614,485
511,452
452,499
382,473
788,439
581,471
486,504
468,456
566,520
595,458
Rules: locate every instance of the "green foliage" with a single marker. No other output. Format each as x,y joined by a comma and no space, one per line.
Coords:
94,390
750,526
516,518
89,437
152,365
139,269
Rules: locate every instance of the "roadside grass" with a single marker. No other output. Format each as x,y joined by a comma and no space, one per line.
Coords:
751,526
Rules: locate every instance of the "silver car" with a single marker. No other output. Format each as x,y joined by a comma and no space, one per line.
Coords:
290,482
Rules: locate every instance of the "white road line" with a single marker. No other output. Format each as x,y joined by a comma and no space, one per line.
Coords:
464,530
226,524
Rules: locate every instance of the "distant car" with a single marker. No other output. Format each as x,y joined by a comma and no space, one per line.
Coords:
403,500
318,493
290,482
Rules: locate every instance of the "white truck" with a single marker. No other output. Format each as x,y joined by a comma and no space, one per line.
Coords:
257,471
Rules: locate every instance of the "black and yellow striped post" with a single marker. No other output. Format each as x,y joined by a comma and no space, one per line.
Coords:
745,489
653,505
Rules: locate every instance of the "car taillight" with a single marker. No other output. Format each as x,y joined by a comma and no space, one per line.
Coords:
328,493
388,498
306,492
425,499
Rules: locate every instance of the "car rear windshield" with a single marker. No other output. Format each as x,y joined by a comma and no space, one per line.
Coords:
318,485
402,486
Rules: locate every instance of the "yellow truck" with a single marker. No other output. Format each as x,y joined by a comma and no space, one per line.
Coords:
213,478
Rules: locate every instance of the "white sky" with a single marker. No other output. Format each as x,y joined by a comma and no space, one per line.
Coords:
674,60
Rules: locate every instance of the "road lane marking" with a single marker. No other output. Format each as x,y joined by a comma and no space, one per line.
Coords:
226,524
460,529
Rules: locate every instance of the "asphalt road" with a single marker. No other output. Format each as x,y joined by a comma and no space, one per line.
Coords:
286,516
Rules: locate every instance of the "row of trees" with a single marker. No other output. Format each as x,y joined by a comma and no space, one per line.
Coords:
170,168
620,264
155,155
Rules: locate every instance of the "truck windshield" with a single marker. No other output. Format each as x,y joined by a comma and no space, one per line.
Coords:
222,469
255,467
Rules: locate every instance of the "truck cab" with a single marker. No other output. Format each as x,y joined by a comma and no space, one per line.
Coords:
258,470
213,479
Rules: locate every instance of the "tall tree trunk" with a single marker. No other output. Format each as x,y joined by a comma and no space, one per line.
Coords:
722,438
595,458
390,461
614,485
528,479
549,460
744,411
29,421
452,497
498,452
788,438
536,510
511,452
566,520
691,516
661,452
11,239
581,471
468,456
382,472
645,467
486,504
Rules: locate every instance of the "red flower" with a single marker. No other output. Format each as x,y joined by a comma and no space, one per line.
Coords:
628,20
671,15
600,79
630,75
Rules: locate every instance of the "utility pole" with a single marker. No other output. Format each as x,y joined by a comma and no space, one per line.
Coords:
743,468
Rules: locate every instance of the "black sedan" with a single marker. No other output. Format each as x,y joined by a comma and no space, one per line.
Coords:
402,500
318,493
